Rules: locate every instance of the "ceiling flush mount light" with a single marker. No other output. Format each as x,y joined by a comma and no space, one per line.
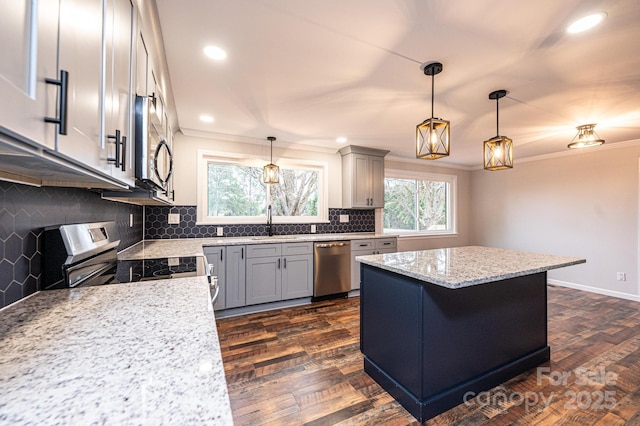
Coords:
214,52
341,139
586,137
271,172
498,151
586,23
432,135
206,118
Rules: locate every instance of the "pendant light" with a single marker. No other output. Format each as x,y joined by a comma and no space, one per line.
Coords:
432,135
271,172
498,151
586,137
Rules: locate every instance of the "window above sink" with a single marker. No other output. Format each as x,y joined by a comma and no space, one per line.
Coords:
231,191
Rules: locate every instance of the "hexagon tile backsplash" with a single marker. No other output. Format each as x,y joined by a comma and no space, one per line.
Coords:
157,225
26,210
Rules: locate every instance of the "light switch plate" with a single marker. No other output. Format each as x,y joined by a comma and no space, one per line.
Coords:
174,218
173,261
219,231
313,229
344,218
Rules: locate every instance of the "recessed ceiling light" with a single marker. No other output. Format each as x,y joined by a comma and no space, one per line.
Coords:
341,139
586,23
214,52
206,118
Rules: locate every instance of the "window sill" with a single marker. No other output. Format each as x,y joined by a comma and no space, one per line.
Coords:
417,235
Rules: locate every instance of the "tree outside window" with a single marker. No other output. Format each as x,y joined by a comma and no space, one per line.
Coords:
421,205
238,191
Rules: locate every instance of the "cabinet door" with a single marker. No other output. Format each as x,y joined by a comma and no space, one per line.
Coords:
118,106
361,191
235,287
29,49
376,171
142,67
264,280
297,276
355,266
215,256
80,53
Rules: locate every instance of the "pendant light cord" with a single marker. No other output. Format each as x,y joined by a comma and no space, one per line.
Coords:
432,92
497,117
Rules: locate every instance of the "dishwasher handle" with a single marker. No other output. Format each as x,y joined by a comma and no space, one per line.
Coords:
327,245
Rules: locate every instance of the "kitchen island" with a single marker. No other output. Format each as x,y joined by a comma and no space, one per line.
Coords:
121,354
437,324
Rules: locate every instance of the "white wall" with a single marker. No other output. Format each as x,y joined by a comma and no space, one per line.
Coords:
185,150
583,204
463,206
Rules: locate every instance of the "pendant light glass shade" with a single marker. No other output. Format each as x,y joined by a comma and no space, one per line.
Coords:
498,151
586,137
433,134
271,172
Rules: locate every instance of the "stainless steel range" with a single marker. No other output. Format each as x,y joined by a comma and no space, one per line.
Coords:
85,254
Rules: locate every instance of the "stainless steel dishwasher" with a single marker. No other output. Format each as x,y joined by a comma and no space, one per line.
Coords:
332,269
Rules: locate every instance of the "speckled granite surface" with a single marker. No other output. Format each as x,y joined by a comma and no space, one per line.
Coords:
149,249
466,266
135,354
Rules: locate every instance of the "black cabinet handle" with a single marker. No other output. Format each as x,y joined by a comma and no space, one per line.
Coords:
242,253
278,263
116,137
123,156
285,263
221,251
64,86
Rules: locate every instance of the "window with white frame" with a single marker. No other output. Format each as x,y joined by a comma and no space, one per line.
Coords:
419,203
231,190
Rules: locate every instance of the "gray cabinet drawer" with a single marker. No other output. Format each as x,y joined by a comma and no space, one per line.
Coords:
361,245
263,250
290,249
386,243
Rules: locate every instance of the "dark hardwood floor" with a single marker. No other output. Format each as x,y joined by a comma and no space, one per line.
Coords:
303,366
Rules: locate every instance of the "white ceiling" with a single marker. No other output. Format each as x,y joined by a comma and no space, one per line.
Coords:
308,71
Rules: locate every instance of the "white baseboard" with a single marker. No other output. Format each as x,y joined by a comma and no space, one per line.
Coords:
611,293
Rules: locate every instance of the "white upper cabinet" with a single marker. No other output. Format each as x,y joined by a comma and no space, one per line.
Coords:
80,54
362,177
28,48
117,132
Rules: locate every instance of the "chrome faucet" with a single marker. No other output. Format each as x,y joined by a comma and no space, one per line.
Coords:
269,221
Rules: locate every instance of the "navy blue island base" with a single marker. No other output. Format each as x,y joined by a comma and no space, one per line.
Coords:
429,345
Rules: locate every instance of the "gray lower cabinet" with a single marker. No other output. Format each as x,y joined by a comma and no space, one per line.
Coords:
235,277
229,266
365,248
264,280
279,272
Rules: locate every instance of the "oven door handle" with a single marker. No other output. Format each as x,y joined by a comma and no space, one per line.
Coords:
85,278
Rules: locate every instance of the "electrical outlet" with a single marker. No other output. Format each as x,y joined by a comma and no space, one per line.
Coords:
219,231
173,261
130,220
621,276
313,229
174,218
344,218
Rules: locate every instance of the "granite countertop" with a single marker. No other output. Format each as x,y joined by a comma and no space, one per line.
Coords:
466,266
143,353
149,249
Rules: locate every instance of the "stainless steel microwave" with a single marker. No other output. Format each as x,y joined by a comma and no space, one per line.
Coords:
154,159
